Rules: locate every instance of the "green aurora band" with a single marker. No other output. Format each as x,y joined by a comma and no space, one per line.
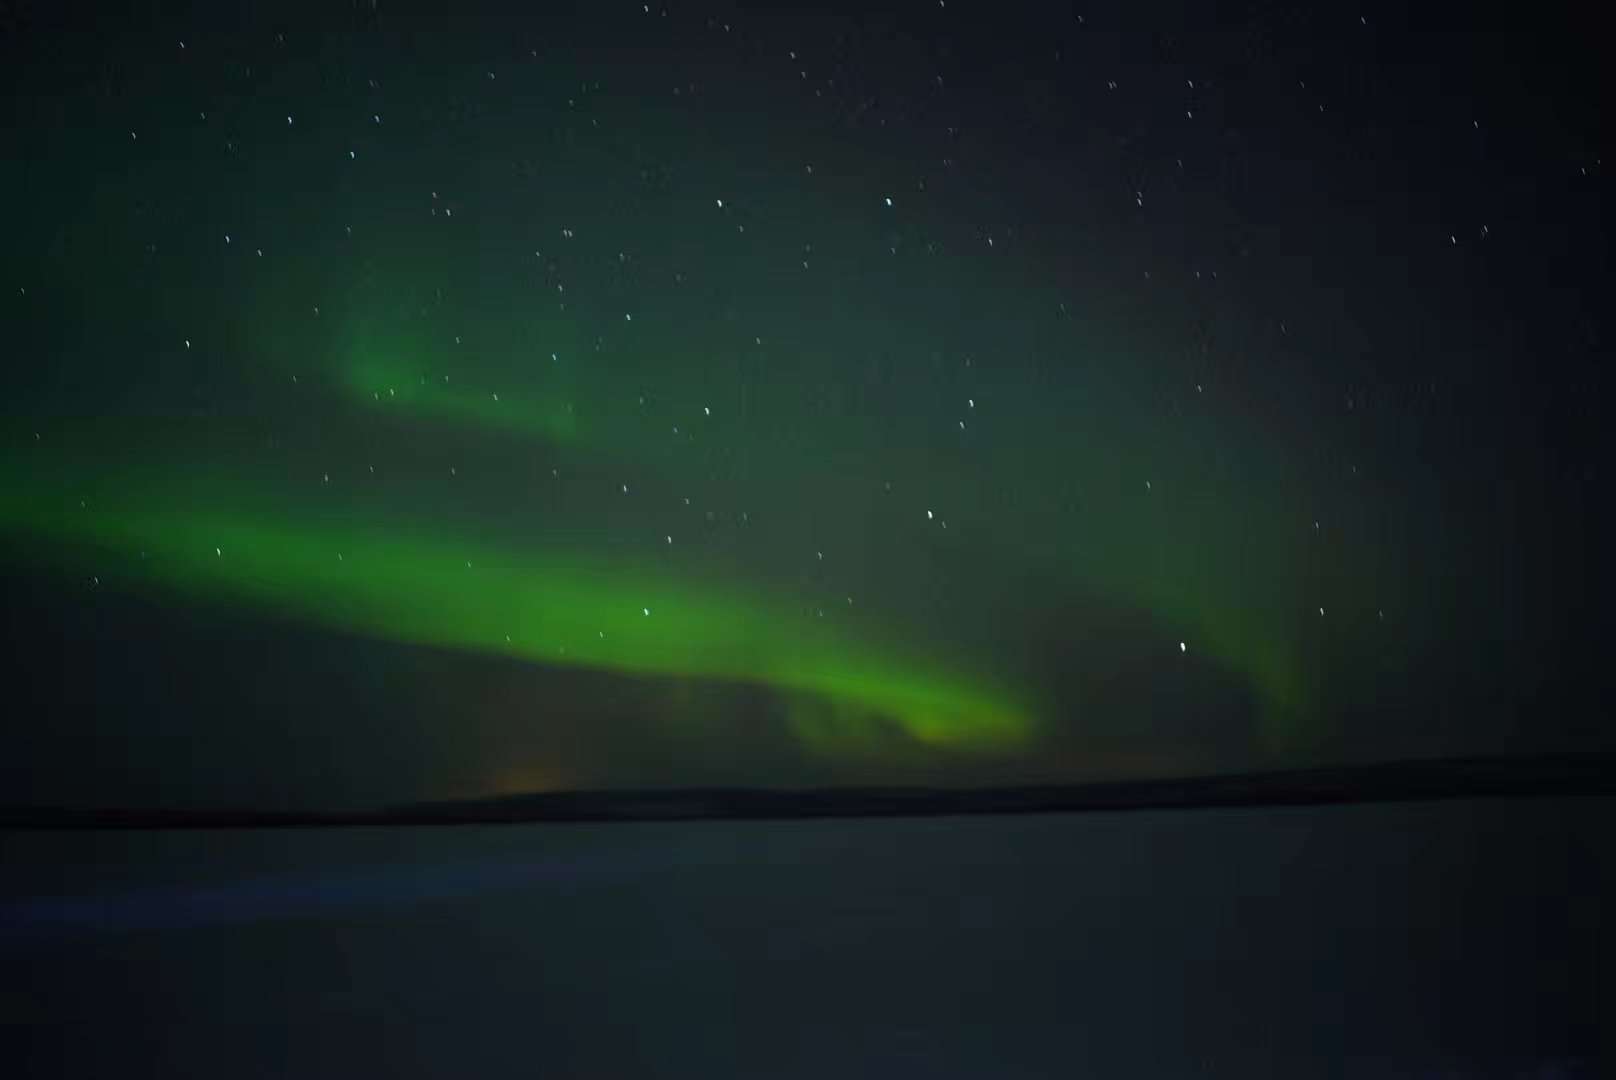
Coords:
553,607
1216,552
192,531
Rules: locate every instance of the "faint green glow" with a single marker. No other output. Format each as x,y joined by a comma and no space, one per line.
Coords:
485,388
397,385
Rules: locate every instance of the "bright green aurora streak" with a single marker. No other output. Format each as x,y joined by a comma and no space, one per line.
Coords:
555,607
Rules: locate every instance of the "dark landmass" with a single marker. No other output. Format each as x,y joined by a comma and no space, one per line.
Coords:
1592,774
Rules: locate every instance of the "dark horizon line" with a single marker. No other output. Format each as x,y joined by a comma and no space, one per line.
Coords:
1418,780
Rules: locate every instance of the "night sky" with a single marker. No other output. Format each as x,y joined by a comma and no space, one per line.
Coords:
403,407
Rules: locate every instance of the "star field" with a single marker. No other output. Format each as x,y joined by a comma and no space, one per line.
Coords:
654,395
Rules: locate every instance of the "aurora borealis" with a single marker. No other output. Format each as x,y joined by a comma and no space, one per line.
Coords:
648,397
